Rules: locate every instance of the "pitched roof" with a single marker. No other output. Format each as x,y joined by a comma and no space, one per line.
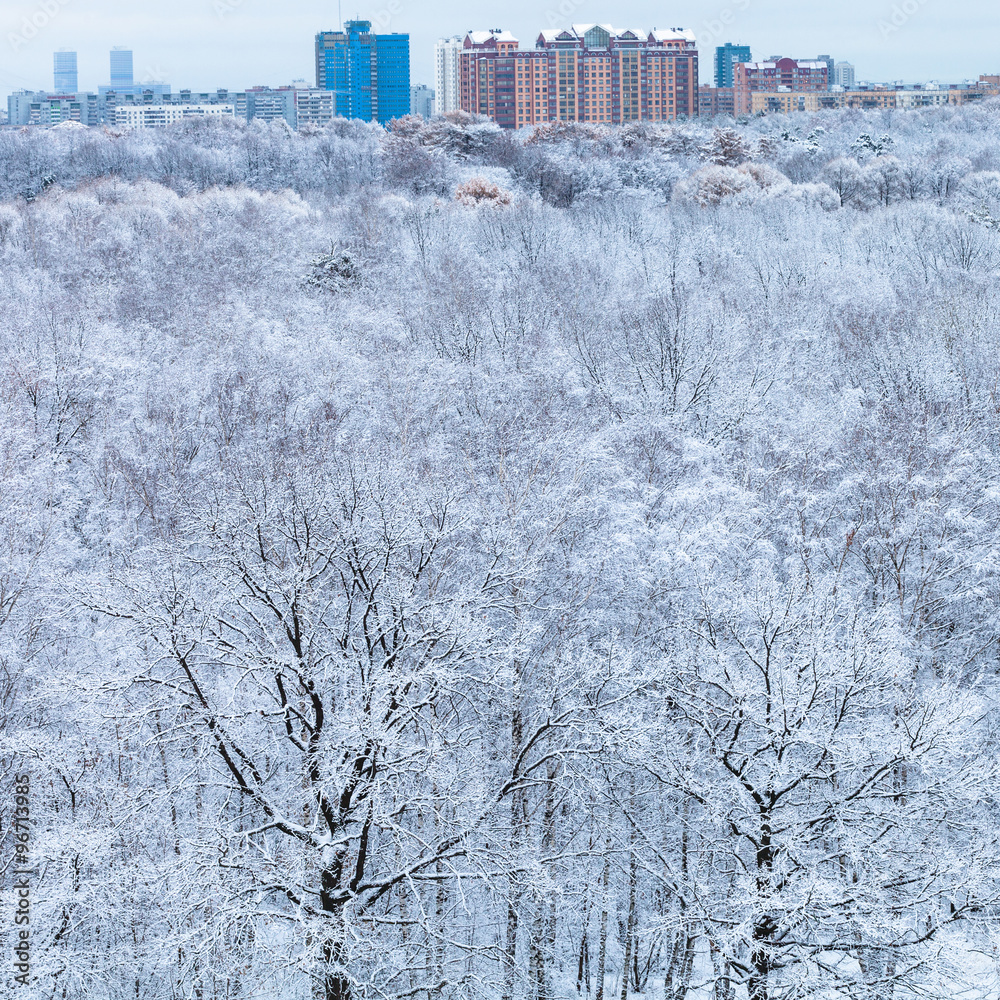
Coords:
482,37
672,34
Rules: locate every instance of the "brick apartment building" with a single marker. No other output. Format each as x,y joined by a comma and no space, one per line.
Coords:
713,101
778,76
586,73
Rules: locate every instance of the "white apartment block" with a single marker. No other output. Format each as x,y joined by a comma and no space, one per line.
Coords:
843,75
159,115
925,97
313,106
447,74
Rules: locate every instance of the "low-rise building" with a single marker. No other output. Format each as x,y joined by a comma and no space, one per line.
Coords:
422,99
265,104
714,101
922,97
782,102
869,99
782,75
28,107
161,115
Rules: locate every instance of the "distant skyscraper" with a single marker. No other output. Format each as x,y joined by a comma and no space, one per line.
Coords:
422,101
447,74
726,57
121,68
369,74
843,75
64,72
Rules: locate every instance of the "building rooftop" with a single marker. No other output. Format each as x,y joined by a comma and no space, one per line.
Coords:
577,32
672,34
582,29
801,63
482,37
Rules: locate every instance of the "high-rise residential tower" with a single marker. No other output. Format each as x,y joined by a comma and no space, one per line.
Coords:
726,57
64,75
447,74
369,74
121,68
586,73
843,75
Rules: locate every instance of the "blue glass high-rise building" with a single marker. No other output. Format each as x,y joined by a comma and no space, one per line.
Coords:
123,89
64,74
369,74
121,68
726,57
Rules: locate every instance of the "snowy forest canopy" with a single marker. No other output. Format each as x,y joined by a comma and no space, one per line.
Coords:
439,563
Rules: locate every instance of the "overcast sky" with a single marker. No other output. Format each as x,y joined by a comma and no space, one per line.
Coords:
205,44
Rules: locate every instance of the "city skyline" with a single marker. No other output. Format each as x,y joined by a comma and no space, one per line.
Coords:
235,44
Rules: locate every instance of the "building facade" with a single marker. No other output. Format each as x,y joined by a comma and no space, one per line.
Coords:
715,101
587,73
447,74
422,101
843,75
829,69
785,102
64,74
110,100
777,76
26,107
869,97
295,105
265,104
923,97
121,68
726,58
313,106
368,74
161,115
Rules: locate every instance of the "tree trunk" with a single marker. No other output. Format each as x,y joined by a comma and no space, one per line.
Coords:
518,820
510,950
583,957
630,922
683,957
546,938
335,984
602,946
724,989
